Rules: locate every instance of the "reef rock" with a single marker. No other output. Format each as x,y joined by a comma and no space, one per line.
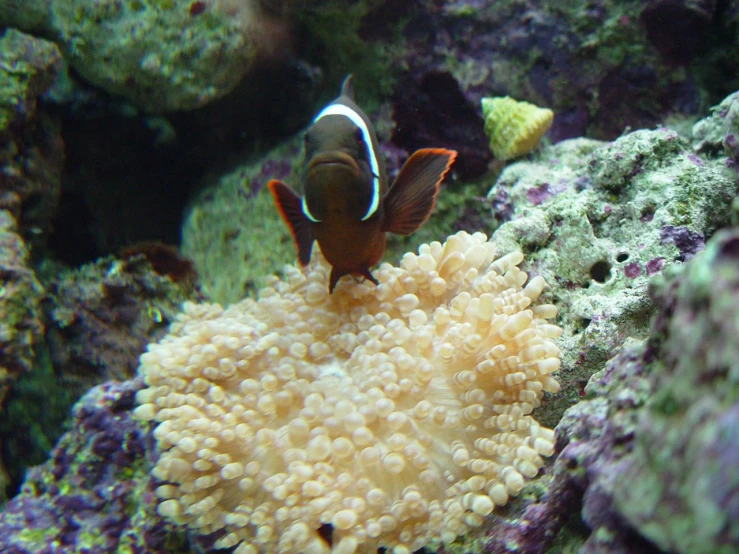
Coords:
162,55
684,468
662,418
21,324
581,59
720,129
95,321
21,319
92,495
31,147
600,219
102,315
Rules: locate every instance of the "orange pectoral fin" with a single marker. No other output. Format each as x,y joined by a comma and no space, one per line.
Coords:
410,200
289,205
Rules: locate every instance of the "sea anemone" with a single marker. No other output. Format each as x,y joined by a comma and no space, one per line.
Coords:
399,414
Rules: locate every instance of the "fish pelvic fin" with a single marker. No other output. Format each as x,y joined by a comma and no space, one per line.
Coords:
412,197
290,208
337,274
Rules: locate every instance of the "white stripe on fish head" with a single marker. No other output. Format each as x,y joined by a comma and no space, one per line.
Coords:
306,211
354,117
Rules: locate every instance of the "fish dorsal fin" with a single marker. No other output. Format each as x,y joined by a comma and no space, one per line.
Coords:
410,200
291,210
346,87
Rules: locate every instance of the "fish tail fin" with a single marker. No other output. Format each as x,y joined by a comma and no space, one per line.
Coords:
289,205
410,200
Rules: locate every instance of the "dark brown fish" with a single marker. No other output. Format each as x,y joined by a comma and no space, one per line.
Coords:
347,206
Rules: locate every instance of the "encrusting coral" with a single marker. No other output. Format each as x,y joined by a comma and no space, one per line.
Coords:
400,414
514,128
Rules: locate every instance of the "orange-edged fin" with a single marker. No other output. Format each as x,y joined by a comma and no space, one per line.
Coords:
289,205
410,200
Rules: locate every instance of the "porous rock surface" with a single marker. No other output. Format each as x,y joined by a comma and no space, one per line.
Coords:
600,219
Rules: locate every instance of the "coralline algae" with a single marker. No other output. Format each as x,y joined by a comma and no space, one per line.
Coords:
94,494
654,448
600,219
684,468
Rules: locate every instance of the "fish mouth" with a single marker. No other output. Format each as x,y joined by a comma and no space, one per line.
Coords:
338,159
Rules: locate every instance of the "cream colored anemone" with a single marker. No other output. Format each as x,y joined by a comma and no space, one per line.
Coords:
398,414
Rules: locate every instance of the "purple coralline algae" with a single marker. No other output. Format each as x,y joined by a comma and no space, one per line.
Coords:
632,270
654,265
654,449
93,495
688,242
537,195
720,130
599,219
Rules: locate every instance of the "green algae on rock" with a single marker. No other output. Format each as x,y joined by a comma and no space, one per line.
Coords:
720,130
21,325
599,219
232,232
95,322
31,147
683,469
661,416
158,54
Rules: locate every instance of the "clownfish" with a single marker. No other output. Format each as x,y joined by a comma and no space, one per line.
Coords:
346,204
